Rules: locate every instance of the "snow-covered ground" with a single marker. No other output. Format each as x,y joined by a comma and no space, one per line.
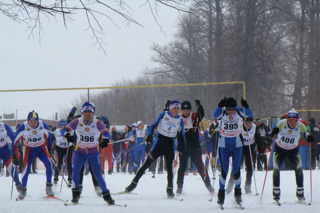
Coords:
151,195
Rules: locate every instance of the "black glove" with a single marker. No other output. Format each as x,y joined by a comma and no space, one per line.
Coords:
197,102
310,138
149,138
167,105
275,131
70,138
15,160
104,143
244,103
222,103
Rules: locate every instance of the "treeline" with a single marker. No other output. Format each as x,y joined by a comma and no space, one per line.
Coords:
271,45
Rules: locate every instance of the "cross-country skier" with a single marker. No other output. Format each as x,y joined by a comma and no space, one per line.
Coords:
62,148
139,134
287,132
169,123
5,132
88,129
191,130
249,134
230,118
37,143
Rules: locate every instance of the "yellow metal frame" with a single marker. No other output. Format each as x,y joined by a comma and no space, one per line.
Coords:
127,87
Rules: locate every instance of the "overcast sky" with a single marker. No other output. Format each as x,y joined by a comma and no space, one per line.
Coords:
66,58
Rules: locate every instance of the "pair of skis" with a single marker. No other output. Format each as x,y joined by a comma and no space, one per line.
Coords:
238,205
303,202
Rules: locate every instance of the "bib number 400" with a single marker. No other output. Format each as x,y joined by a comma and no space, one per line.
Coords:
87,138
287,140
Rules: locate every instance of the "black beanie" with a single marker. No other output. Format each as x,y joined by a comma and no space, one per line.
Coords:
186,105
250,119
312,120
231,103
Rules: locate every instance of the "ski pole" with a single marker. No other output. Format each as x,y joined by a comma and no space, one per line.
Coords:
130,138
310,172
265,177
215,169
135,147
64,168
54,162
13,172
254,177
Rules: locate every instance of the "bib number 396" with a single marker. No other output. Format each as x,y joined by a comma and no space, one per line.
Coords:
87,138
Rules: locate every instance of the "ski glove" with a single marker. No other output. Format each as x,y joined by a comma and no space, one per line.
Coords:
222,103
70,138
104,143
244,103
275,131
310,138
15,160
149,138
167,105
197,102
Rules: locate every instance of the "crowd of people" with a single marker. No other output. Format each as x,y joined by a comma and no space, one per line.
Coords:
83,143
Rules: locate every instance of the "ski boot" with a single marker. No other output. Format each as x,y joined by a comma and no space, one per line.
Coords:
49,191
170,193
55,180
98,191
107,197
247,187
22,193
131,187
221,196
276,193
300,194
237,195
69,181
75,195
179,190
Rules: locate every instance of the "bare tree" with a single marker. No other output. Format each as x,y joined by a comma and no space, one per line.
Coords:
33,12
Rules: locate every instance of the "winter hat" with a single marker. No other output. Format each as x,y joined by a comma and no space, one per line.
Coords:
114,128
312,120
292,115
249,119
174,103
231,103
88,107
33,116
62,123
139,123
186,105
258,120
